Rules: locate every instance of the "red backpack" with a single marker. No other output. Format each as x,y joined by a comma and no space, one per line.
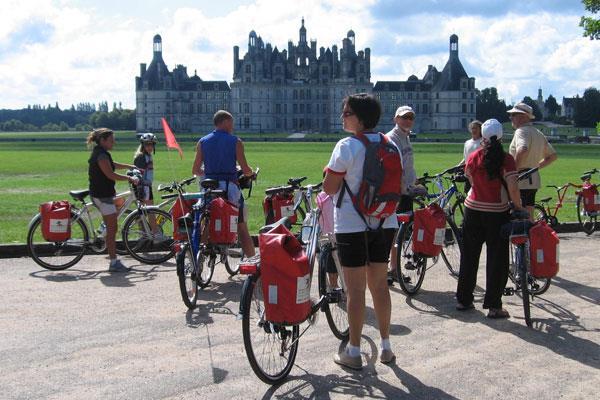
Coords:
379,191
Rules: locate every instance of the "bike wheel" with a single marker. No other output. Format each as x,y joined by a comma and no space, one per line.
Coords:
231,257
206,268
410,268
452,248
143,244
336,306
271,348
538,286
458,213
188,284
539,214
57,255
522,263
587,221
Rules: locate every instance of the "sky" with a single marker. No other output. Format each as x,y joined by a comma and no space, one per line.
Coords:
72,51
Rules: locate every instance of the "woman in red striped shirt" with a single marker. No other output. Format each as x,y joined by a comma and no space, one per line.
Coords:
492,173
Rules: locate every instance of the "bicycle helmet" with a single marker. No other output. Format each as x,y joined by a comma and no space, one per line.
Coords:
148,138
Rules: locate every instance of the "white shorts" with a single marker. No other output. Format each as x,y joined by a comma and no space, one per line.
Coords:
106,205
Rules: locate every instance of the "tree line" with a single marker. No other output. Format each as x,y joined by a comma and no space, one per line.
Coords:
586,108
82,117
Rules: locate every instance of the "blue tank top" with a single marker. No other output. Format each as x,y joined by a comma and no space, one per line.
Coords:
218,152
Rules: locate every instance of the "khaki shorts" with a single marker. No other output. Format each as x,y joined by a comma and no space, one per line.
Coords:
105,205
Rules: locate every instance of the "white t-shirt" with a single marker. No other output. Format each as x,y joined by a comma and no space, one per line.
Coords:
347,159
470,146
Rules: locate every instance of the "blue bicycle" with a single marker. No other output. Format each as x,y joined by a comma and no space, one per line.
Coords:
197,257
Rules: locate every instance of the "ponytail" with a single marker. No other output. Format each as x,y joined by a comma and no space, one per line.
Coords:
96,135
493,158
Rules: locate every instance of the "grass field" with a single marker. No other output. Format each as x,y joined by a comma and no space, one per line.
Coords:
35,172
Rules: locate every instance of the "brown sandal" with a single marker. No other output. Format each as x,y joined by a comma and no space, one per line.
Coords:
498,313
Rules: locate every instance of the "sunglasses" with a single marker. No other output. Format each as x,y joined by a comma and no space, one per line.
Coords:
346,114
410,117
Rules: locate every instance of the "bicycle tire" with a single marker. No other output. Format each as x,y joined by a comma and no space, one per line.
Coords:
538,286
229,258
271,348
452,249
139,241
458,213
188,283
206,267
523,282
57,255
335,312
410,268
587,222
539,214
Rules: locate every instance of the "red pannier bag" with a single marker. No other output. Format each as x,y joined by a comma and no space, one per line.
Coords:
56,220
179,209
591,199
543,250
222,228
285,276
429,228
277,206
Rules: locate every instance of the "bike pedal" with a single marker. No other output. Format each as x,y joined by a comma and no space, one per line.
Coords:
334,296
508,292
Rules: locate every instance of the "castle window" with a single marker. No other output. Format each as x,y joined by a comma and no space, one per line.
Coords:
301,108
464,95
417,108
168,95
464,122
246,123
425,95
248,69
437,108
410,95
295,95
301,94
295,108
471,108
425,111
464,108
437,95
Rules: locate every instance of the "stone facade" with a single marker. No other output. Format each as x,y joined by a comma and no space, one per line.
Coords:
299,89
187,103
296,89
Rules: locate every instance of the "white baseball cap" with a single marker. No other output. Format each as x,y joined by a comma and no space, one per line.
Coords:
490,128
403,110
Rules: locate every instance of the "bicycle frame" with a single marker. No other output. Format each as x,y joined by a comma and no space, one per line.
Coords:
561,193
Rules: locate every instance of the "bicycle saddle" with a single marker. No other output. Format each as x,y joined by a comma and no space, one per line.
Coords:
210,184
79,194
545,199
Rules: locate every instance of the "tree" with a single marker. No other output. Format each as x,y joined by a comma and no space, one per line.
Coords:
591,25
587,109
489,106
536,110
552,106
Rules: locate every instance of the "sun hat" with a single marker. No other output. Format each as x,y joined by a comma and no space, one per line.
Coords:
490,128
403,110
522,108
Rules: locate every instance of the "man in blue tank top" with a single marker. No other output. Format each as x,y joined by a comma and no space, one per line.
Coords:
219,152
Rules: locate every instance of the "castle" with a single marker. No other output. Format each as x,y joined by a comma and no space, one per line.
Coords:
299,90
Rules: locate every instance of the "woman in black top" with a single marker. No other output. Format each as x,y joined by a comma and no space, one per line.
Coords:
102,179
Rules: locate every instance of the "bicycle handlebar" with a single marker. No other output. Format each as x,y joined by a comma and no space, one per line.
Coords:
173,186
296,181
527,174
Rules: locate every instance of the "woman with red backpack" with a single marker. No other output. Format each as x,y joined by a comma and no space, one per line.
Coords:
363,242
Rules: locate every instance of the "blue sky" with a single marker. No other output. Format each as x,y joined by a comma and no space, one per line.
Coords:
71,51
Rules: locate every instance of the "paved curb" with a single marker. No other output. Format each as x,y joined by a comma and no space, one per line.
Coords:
20,249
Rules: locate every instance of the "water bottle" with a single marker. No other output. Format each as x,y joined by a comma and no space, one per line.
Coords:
306,230
101,230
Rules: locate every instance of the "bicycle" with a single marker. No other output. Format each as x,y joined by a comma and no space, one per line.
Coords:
294,191
587,219
271,347
84,235
141,242
197,258
519,267
454,209
410,267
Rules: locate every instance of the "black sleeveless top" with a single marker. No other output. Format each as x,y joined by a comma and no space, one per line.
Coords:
100,184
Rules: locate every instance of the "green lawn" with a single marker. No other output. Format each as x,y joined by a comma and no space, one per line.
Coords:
36,172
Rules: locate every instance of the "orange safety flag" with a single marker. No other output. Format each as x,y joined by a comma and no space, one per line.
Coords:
170,137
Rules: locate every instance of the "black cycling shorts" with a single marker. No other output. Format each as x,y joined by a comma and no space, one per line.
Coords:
353,248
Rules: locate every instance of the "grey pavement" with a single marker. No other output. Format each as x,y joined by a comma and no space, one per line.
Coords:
85,333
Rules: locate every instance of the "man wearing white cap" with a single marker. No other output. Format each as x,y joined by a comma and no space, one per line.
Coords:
531,149
399,135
